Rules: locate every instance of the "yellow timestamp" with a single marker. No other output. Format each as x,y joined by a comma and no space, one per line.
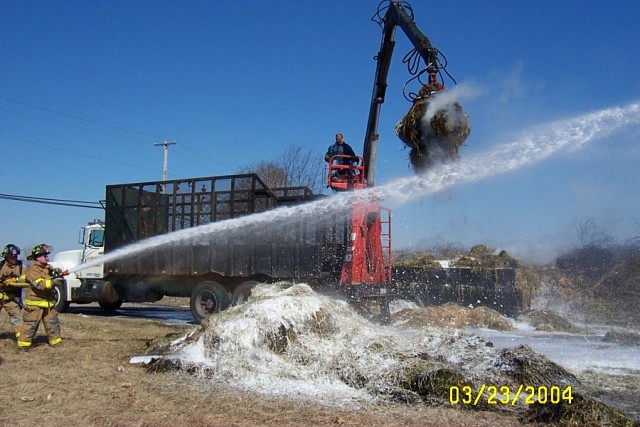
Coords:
504,395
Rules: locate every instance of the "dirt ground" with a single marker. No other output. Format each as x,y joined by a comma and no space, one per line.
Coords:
88,381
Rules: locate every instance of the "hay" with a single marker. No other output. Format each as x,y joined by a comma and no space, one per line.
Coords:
319,324
581,412
622,282
548,321
482,256
527,281
437,141
418,260
525,366
607,300
622,337
393,393
452,315
280,341
438,382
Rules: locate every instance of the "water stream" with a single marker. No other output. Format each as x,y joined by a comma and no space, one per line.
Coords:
532,146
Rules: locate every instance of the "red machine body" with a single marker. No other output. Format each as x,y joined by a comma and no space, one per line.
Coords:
366,271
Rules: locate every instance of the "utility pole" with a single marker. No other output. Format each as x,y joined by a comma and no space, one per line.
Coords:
166,145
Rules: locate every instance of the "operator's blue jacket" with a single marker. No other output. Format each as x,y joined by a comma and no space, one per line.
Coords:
337,149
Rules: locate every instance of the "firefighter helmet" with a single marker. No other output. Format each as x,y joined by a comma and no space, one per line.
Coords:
41,249
10,250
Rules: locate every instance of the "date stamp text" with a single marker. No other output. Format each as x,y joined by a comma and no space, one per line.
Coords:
505,395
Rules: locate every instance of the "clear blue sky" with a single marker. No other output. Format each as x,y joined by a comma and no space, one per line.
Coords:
87,88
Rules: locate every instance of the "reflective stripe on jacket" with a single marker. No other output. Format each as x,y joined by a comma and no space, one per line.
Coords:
40,275
47,283
40,303
4,295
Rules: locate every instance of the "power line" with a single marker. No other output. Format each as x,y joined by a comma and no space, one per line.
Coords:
77,117
69,125
200,154
93,156
48,201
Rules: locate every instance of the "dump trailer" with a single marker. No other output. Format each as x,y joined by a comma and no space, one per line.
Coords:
218,269
213,269
495,288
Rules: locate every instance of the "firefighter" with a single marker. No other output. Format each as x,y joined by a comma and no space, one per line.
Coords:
39,298
11,274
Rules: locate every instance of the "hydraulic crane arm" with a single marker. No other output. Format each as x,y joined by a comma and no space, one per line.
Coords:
367,267
395,16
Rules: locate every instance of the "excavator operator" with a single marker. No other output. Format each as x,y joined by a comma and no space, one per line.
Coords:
339,148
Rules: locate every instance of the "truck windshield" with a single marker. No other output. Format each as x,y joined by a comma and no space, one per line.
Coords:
96,238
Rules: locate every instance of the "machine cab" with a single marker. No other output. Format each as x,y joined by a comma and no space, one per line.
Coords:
346,173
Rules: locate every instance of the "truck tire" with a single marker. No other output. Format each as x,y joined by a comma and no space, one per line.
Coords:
110,306
208,298
243,291
60,294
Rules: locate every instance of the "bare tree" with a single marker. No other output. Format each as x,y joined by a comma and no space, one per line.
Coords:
634,241
591,234
269,172
294,167
304,168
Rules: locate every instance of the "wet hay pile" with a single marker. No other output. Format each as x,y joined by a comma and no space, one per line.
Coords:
482,256
610,297
289,340
452,315
622,282
581,412
622,337
524,366
548,321
417,260
433,137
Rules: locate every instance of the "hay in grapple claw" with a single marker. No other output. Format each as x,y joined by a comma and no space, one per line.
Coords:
433,139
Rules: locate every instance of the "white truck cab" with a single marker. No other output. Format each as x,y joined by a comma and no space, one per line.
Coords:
91,237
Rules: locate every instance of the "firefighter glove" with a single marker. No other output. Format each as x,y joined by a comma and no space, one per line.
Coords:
36,285
8,280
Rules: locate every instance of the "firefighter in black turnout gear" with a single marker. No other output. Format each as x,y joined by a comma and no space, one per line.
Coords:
12,275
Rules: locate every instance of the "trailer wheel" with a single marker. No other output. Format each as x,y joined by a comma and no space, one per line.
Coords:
243,291
60,296
208,298
110,306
